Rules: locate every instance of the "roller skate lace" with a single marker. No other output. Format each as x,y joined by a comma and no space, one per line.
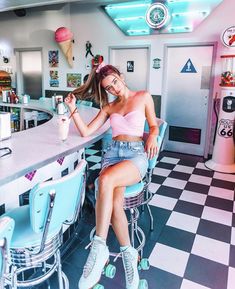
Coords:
91,260
128,260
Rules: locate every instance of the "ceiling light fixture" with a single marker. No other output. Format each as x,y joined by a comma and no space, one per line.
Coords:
112,7
157,15
137,31
179,1
178,14
129,18
180,28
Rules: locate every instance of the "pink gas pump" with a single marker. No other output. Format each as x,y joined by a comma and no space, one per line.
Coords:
223,157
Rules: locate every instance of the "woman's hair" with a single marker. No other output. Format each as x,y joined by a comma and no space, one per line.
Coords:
92,87
85,78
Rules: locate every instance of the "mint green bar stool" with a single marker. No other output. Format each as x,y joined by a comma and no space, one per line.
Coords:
6,230
151,165
37,236
138,195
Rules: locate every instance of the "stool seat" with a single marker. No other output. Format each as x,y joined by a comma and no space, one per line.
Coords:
24,236
130,192
133,190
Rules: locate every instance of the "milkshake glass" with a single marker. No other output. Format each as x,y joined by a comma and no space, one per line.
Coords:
63,126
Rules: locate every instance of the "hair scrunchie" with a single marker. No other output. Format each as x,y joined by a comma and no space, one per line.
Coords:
101,65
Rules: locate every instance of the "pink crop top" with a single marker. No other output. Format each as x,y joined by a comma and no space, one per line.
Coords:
131,123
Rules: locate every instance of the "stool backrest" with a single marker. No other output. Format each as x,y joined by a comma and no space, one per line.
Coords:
6,230
69,191
162,131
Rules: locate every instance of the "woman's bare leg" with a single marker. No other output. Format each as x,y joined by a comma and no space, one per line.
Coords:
118,219
122,174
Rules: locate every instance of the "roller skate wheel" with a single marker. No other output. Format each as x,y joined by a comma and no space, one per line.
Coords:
144,264
98,286
110,271
143,284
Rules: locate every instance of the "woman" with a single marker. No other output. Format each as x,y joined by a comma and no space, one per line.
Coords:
125,163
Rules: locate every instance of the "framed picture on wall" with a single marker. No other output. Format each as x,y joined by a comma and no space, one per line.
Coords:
74,79
130,66
54,78
53,58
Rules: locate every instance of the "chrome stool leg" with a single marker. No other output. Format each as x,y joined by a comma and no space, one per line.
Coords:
14,277
132,223
62,278
59,270
44,268
151,217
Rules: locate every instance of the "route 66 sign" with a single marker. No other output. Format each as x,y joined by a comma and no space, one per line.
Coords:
225,128
157,15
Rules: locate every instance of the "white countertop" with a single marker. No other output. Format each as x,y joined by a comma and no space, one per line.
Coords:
39,146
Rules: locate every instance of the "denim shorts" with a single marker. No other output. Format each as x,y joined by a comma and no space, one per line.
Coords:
119,151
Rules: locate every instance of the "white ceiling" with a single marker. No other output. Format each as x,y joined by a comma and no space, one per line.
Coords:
7,5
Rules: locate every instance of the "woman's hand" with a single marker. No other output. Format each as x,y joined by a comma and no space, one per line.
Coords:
70,101
151,146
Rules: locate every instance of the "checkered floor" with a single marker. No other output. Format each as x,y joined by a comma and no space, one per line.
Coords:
193,242
196,245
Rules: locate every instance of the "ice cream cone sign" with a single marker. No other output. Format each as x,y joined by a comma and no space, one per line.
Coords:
64,38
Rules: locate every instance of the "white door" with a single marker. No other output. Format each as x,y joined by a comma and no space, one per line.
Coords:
187,97
29,72
134,64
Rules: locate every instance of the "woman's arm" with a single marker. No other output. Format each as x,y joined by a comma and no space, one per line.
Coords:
151,142
85,129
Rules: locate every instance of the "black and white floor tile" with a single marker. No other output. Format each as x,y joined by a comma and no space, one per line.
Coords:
192,245
196,245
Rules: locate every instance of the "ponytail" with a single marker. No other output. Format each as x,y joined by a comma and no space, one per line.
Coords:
92,88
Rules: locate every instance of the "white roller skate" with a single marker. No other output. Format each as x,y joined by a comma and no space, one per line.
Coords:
130,259
96,261
130,263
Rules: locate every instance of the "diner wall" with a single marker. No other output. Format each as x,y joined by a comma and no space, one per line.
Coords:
89,23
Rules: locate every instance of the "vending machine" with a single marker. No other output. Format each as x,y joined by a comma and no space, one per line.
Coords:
223,157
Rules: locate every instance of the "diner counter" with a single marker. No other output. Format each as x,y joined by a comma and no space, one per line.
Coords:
38,146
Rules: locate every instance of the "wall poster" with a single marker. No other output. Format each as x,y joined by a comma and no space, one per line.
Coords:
53,58
74,79
54,78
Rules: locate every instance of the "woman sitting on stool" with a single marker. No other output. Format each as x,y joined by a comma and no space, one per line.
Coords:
125,163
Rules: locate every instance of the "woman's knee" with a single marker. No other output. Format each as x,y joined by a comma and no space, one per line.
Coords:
104,180
105,184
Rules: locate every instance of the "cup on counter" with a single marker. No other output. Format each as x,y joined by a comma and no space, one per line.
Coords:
5,95
55,100
53,103
58,98
63,127
25,98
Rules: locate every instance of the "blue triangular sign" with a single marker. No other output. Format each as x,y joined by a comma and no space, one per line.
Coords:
188,67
